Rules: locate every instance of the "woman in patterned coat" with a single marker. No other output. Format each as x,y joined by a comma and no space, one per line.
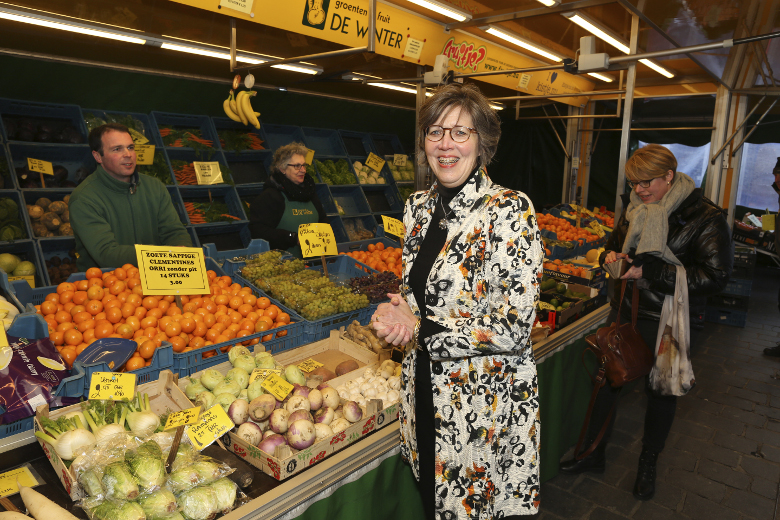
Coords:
472,257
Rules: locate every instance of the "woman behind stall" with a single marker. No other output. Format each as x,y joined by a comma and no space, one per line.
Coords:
287,201
472,256
663,207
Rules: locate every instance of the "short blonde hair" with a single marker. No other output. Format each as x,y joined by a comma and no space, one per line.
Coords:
284,153
650,162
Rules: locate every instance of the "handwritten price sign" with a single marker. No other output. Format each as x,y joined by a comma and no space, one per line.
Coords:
399,159
317,240
309,365
213,424
182,418
276,386
44,167
208,172
375,162
144,154
112,386
393,226
263,373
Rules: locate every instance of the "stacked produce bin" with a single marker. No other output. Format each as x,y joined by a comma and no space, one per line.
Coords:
730,307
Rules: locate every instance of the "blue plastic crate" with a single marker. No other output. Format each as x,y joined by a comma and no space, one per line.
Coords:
55,115
362,245
726,316
385,172
353,224
342,268
189,156
143,124
178,204
323,141
356,143
21,214
204,194
30,197
254,247
326,198
27,250
351,199
7,169
185,121
335,159
55,246
338,228
396,215
8,290
280,135
78,160
738,287
223,238
249,168
162,172
222,124
393,180
161,360
383,198
386,144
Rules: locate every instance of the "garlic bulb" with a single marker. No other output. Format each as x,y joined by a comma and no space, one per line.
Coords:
370,393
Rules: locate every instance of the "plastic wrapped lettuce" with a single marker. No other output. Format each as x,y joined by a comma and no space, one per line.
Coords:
199,503
147,466
159,505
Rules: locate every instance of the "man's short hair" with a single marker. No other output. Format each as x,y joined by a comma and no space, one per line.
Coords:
96,135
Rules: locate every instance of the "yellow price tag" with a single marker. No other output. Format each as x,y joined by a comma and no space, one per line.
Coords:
8,485
309,156
375,162
172,270
399,159
597,228
144,154
263,373
44,167
393,226
138,138
112,386
29,278
182,418
317,240
309,365
213,424
208,172
277,387
243,6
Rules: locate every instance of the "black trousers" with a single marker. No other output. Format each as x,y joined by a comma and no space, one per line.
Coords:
660,411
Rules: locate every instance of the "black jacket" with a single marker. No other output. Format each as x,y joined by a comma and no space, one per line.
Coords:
701,239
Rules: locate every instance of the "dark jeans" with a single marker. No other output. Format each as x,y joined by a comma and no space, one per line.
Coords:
659,414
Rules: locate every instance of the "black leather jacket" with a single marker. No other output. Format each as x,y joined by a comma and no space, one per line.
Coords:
701,239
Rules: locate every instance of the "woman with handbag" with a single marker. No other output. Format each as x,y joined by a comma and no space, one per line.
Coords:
677,249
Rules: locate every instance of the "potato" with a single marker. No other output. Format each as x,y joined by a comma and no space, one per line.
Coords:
346,366
326,374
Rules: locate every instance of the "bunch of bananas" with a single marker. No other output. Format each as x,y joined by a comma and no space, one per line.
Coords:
239,108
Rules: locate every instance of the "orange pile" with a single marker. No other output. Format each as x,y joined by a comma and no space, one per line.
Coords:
564,230
557,265
380,258
112,305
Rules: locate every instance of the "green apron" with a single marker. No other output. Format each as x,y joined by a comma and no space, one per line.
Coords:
297,213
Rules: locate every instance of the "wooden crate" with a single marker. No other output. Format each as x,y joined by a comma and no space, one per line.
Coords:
164,396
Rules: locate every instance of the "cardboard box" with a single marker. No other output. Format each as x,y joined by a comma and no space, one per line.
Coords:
594,276
565,316
164,396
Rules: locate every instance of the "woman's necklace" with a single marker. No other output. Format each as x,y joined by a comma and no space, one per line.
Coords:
446,217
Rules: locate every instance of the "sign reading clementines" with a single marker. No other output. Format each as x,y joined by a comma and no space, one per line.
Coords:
172,270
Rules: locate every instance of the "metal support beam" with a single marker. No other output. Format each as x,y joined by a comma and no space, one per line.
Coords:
651,129
506,15
232,44
553,96
736,148
420,170
471,75
736,131
565,151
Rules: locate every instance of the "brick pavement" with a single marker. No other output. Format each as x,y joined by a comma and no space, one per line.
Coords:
722,458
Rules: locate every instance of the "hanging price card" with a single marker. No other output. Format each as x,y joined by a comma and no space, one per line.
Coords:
29,278
309,365
399,159
263,373
243,6
138,137
172,270
182,418
144,154
309,156
375,162
8,480
597,228
277,387
208,172
112,386
393,226
213,424
317,240
36,165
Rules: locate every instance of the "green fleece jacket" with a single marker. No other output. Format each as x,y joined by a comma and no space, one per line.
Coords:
109,217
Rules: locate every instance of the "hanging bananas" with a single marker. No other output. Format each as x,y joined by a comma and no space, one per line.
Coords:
239,108
229,107
246,108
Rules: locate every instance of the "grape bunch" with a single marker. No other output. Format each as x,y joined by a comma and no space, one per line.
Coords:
262,265
376,286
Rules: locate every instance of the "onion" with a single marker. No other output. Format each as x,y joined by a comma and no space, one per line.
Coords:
352,411
270,443
297,415
339,425
297,402
251,433
279,420
239,412
301,434
315,400
261,407
330,397
322,432
324,415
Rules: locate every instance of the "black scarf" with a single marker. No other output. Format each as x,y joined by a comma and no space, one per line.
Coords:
303,192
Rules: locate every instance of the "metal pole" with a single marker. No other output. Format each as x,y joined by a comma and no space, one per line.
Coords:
565,151
552,96
652,129
420,170
736,148
233,44
371,26
671,52
321,55
736,131
473,75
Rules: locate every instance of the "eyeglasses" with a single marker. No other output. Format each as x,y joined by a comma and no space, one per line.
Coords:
644,184
459,134
298,167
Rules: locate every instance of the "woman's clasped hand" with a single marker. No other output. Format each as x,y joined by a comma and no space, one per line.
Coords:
394,321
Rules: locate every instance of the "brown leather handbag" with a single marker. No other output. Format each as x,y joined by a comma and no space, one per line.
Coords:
622,356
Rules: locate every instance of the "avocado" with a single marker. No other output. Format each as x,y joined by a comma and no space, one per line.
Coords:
561,288
554,302
558,309
566,305
548,284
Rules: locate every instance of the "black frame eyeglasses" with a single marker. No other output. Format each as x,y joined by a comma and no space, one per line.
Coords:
644,184
298,167
459,133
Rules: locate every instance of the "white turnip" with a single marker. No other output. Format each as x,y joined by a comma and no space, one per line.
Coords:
251,433
238,411
339,425
301,434
322,432
279,420
303,391
261,407
297,402
315,400
330,397
324,415
297,415
352,411
270,443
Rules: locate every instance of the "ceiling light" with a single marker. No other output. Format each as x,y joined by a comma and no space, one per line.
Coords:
81,29
395,87
549,3
211,53
298,68
496,106
445,9
522,42
602,77
656,67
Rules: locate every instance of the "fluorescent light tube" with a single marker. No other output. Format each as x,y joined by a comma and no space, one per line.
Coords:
210,53
297,68
445,9
495,106
522,42
395,87
71,28
656,67
549,3
602,77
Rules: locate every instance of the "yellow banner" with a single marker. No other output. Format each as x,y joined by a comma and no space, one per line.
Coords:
405,36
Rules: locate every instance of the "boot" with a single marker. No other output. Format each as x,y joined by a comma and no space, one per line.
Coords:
593,463
644,487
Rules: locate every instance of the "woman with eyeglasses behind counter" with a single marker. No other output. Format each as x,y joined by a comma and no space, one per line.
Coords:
287,201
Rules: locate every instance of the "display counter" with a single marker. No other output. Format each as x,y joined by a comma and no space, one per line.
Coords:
369,477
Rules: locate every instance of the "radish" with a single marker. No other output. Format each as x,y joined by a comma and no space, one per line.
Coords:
40,507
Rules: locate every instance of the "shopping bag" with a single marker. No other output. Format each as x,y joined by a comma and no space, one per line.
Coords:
768,221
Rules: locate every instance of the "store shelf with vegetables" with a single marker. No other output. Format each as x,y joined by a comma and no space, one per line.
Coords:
71,163
178,204
187,131
399,215
239,138
223,237
140,123
335,171
367,175
249,168
361,227
183,170
21,258
323,141
46,212
215,205
280,135
160,169
349,200
58,255
383,199
386,144
338,228
28,121
14,225
357,144
402,175
6,167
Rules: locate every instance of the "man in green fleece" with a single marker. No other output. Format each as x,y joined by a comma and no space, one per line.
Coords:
116,207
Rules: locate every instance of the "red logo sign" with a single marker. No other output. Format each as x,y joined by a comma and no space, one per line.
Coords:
369,426
239,450
319,457
464,54
338,438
